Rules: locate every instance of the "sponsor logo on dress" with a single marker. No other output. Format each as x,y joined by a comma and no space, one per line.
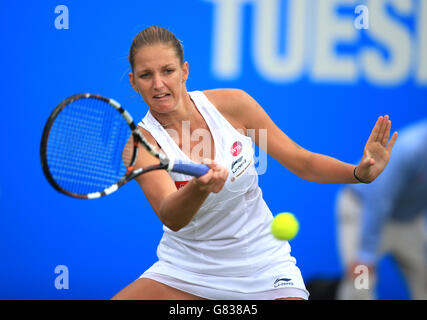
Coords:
238,165
180,184
236,148
234,163
282,282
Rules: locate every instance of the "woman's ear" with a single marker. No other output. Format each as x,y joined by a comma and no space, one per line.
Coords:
185,71
132,82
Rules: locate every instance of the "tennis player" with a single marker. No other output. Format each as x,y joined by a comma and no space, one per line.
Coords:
217,242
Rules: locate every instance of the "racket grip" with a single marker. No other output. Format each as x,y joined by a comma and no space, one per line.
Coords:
190,168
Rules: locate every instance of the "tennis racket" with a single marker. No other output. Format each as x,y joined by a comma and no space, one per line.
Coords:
90,145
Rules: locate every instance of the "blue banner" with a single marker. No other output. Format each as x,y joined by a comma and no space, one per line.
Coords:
323,71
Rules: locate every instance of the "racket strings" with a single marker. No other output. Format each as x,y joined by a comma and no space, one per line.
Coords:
84,150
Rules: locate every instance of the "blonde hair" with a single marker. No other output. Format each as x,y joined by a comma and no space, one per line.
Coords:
155,35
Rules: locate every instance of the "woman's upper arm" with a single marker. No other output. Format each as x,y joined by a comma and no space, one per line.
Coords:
245,112
157,184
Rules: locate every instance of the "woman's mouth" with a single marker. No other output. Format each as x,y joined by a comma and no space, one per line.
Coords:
161,96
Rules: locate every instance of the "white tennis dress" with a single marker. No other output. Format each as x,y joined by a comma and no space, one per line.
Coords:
227,250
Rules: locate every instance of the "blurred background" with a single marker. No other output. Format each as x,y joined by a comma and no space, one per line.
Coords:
323,72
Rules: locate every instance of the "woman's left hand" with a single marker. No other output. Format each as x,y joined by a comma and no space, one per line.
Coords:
377,151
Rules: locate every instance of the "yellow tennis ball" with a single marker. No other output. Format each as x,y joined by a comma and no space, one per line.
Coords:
285,226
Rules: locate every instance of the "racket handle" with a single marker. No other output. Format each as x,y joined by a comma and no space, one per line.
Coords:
190,168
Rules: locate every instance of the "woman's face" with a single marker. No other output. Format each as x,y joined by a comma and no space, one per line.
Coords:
159,77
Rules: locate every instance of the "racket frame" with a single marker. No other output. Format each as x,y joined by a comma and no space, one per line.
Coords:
138,138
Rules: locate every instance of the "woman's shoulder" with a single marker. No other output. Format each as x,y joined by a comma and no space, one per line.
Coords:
227,101
230,103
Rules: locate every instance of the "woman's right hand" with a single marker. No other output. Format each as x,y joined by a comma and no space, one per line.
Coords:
214,179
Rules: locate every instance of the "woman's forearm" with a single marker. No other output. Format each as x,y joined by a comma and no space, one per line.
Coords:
325,169
177,209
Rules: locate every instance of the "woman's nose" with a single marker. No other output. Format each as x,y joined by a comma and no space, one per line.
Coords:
157,82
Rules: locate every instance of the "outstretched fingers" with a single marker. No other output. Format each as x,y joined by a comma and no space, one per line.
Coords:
381,131
384,134
376,130
386,131
392,141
